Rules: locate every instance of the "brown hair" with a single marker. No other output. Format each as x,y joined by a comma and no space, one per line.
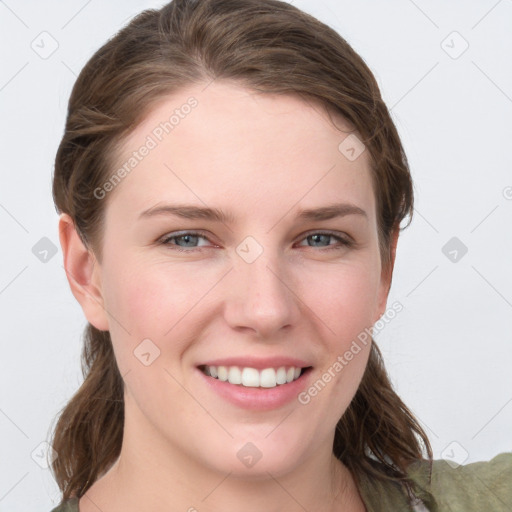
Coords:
271,47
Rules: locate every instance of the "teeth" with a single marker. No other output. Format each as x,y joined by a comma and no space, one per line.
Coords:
253,378
281,375
250,378
222,373
234,375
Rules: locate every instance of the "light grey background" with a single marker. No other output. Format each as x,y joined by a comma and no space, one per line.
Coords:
448,352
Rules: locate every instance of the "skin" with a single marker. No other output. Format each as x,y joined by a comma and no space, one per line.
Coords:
262,158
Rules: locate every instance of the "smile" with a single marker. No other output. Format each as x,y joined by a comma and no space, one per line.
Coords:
252,377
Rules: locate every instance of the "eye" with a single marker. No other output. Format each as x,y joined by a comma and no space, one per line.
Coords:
325,236
188,237
191,238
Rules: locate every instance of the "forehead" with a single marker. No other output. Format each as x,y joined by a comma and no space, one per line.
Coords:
228,142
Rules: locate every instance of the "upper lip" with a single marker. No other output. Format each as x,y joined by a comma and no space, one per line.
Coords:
258,362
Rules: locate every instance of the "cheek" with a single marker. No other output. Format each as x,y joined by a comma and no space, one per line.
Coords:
345,304
159,302
151,298
344,297
162,302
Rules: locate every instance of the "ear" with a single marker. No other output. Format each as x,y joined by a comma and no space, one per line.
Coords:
386,276
83,273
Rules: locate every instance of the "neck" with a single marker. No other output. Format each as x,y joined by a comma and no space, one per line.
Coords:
153,476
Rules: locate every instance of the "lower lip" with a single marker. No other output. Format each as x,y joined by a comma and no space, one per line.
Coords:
259,399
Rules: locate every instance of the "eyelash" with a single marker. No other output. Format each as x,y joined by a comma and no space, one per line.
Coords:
345,243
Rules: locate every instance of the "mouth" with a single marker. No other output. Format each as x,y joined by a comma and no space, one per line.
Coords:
252,377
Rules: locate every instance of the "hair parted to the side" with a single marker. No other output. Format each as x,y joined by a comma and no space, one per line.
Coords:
267,46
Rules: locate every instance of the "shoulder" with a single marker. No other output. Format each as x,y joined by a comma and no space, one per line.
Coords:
485,485
70,505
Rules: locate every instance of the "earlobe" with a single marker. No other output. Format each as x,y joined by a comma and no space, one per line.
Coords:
82,272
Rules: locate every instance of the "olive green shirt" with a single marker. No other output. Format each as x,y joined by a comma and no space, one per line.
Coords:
478,487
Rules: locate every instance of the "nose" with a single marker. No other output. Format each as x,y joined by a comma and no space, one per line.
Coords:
261,297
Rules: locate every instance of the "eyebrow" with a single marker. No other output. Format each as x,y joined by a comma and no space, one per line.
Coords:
184,211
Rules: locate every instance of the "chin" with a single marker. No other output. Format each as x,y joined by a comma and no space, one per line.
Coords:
257,455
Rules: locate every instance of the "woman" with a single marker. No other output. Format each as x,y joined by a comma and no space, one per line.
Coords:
228,361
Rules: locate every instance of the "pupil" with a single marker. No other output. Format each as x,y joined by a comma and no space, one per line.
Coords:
188,237
316,237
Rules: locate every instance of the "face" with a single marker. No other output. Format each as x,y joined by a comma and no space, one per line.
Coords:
262,287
